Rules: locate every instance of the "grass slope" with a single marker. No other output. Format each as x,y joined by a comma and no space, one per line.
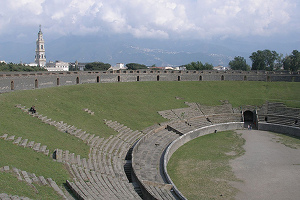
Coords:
200,168
133,104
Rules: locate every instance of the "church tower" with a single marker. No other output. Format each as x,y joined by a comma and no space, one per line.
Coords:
40,56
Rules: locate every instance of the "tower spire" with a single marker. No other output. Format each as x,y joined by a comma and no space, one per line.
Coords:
40,56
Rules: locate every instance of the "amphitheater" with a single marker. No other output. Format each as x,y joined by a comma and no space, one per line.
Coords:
133,164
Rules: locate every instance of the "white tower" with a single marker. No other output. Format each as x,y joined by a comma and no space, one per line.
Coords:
40,56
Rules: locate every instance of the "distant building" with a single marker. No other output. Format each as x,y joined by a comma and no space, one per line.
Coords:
180,68
220,68
77,66
118,67
169,68
32,64
57,66
40,54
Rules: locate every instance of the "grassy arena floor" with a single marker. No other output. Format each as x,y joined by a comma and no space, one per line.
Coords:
200,168
133,104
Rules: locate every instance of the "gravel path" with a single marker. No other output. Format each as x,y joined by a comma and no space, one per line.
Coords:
268,169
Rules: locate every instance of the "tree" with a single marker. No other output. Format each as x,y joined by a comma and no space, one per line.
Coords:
292,62
264,60
97,66
279,63
19,67
239,63
135,66
199,66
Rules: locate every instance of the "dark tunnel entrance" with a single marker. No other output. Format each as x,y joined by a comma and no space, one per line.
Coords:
249,119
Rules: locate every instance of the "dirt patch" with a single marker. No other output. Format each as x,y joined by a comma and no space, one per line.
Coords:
231,153
269,169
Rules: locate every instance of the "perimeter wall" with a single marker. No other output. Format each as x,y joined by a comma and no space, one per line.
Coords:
10,81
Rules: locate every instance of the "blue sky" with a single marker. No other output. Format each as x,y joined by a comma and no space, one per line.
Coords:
206,20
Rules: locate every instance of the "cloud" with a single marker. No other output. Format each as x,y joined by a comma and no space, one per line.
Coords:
153,18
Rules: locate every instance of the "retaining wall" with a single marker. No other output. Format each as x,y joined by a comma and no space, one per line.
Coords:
10,81
288,130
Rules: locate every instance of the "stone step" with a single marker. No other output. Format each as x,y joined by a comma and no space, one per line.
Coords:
26,177
24,143
56,188
43,149
10,138
36,146
43,180
4,136
30,144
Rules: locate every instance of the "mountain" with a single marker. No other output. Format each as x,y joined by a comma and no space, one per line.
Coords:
126,49
145,51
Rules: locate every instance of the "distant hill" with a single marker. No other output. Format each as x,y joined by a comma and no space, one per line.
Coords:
126,49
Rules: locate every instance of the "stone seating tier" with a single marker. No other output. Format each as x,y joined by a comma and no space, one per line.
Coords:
147,156
159,192
211,110
91,184
283,120
24,143
104,174
198,122
106,160
4,196
31,178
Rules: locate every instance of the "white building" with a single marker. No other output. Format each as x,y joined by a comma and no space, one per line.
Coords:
118,67
32,64
220,68
40,54
57,66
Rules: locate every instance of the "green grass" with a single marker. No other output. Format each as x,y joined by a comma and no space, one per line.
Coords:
134,104
28,160
292,142
200,169
9,184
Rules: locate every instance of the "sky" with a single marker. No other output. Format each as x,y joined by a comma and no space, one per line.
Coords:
206,20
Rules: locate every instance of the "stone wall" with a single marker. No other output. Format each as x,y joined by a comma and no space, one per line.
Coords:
10,81
278,128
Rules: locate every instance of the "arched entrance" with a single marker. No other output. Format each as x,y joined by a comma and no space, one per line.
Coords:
249,119
36,83
77,80
12,85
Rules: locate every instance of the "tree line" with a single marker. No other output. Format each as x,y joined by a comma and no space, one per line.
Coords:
19,67
267,60
261,60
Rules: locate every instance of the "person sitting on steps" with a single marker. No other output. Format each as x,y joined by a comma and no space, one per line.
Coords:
32,109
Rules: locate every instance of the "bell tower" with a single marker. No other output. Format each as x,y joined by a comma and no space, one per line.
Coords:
40,56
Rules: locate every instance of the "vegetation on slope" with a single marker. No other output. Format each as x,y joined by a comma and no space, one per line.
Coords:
133,104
